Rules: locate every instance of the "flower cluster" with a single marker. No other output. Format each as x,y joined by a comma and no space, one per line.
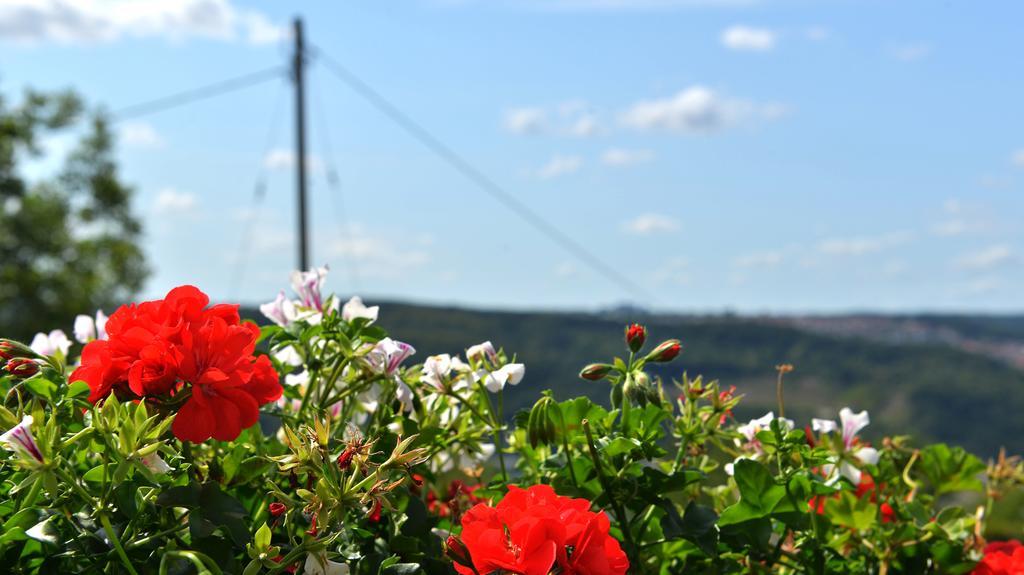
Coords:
178,353
532,531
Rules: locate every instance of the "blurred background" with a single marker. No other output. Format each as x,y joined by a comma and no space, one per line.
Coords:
837,185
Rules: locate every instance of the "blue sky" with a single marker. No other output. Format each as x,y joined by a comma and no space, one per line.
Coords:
723,154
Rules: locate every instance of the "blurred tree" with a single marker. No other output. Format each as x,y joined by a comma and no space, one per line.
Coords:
68,244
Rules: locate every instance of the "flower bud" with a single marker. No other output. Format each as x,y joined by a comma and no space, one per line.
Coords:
634,391
22,367
277,509
666,351
345,459
12,349
636,335
595,371
456,550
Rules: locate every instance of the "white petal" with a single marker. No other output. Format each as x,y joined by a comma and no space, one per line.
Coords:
868,455
101,324
288,356
495,381
293,379
481,350
823,425
85,328
847,470
318,564
354,309
155,463
852,424
514,372
59,340
41,345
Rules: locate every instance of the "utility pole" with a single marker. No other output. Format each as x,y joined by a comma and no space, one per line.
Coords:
298,66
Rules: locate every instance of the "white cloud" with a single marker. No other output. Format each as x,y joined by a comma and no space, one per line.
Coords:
560,166
585,126
857,246
526,120
87,21
768,259
987,258
697,109
172,202
140,135
1018,158
648,224
911,52
621,157
381,255
284,159
748,38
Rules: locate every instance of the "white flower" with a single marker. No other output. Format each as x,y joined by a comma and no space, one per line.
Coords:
404,394
318,564
388,354
750,429
459,365
354,309
479,351
19,439
50,344
293,379
155,463
288,356
280,311
435,369
307,286
823,425
88,329
852,423
510,374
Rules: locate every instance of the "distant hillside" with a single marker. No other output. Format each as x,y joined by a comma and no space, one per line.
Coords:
929,389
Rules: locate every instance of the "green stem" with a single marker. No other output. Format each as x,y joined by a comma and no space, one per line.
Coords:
74,438
620,511
158,535
201,561
105,521
495,428
33,492
568,459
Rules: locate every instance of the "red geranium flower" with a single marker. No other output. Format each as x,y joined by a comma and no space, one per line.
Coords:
532,530
1001,558
158,350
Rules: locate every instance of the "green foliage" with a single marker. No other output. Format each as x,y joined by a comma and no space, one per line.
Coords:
69,244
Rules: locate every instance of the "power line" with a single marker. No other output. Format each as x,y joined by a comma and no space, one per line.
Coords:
485,183
196,94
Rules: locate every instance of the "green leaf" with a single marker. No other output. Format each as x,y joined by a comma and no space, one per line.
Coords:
951,469
77,389
851,511
760,496
262,538
41,387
